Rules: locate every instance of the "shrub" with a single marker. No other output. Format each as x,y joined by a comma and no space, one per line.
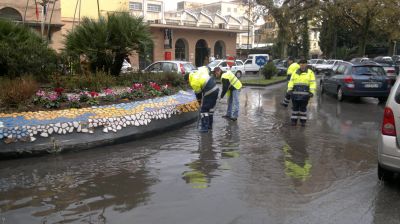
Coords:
94,82
16,92
269,70
23,52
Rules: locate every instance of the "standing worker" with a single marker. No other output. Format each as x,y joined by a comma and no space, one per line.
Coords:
293,67
301,88
231,87
206,92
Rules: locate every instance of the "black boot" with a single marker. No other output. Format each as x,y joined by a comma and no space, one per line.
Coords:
293,122
204,122
210,121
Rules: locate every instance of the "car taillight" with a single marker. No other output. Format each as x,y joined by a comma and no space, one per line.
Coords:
388,125
182,69
348,79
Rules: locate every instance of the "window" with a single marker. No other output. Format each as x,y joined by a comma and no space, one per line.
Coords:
223,64
248,62
135,6
239,63
341,69
154,67
169,67
229,9
153,8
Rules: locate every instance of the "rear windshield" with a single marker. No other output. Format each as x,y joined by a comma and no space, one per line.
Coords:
368,70
214,63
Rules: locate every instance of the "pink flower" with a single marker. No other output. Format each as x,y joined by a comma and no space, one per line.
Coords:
40,93
52,96
59,90
94,94
73,98
129,90
109,91
137,86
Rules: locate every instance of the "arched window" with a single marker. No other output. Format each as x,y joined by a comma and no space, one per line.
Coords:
181,50
219,50
10,13
202,53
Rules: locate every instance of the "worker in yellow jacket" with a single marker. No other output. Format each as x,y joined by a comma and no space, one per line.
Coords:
293,67
231,86
301,88
206,91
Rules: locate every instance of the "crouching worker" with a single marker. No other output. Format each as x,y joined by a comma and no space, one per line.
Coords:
206,92
301,88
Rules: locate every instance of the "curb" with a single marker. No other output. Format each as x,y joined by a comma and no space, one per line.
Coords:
265,85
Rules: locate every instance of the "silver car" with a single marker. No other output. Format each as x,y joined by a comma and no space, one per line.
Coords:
389,139
180,67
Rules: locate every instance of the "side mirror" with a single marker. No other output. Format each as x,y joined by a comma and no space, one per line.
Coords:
397,98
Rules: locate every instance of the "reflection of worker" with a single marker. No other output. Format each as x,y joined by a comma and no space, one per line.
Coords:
206,92
293,67
201,169
231,87
297,164
230,142
301,87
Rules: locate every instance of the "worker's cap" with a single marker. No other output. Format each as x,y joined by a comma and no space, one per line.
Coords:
303,61
290,58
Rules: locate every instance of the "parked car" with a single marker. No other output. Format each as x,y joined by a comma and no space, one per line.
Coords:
388,64
389,139
250,64
180,67
360,60
314,62
326,67
356,80
282,67
237,69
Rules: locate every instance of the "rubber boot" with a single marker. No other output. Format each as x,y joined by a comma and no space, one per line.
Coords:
293,122
210,121
204,122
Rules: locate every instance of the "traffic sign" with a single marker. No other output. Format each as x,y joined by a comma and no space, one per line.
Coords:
261,60
230,61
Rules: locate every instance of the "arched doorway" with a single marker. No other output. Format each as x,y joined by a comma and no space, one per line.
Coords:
219,50
10,13
181,50
202,53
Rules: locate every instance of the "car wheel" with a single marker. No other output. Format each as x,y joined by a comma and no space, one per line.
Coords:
339,94
384,174
382,99
238,74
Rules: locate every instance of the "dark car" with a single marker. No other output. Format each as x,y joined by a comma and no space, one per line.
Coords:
389,65
282,67
365,79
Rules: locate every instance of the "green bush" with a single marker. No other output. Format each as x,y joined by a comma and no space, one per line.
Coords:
95,82
23,52
269,70
173,79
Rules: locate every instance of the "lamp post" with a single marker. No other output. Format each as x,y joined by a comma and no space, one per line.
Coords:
394,48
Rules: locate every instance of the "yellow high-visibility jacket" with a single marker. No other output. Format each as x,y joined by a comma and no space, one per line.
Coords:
293,68
229,82
302,81
198,79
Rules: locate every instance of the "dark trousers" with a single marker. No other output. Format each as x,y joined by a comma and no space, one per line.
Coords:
207,111
299,110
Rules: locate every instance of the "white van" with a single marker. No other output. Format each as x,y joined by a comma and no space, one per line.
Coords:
250,64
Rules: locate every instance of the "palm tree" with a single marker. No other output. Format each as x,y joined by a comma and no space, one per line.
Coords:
107,41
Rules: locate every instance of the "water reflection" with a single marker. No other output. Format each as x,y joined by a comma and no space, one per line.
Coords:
202,170
79,190
297,163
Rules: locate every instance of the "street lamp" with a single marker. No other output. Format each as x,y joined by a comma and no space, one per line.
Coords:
394,48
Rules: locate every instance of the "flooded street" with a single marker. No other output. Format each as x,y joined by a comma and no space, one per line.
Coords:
256,170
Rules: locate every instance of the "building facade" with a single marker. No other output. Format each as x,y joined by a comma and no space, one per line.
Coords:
44,17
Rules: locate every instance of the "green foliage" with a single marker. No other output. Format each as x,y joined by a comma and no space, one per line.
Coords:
269,70
108,40
22,52
94,82
167,78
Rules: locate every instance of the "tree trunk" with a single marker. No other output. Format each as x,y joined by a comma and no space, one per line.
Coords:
364,35
117,65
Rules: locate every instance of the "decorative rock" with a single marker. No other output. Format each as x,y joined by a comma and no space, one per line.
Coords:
33,139
141,122
84,130
105,130
64,125
64,131
44,135
58,125
114,130
71,129
137,123
56,129
124,125
60,131
79,129
95,125
110,128
128,118
119,127
76,124
50,131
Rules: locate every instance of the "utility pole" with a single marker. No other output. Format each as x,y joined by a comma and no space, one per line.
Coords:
248,26
98,8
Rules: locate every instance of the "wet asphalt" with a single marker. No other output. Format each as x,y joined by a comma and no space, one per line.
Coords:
256,170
